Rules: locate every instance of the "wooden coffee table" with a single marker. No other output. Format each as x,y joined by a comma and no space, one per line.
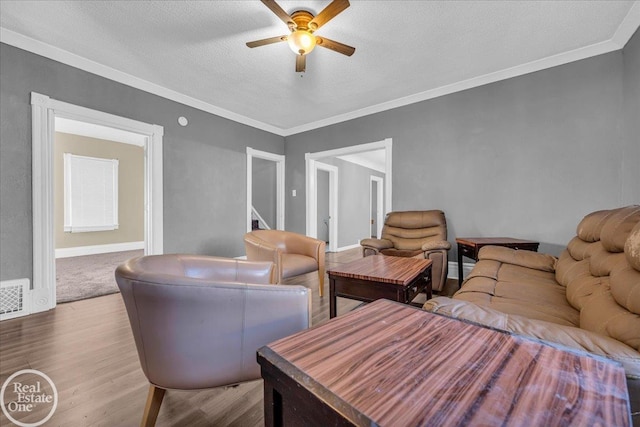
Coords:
470,246
390,364
379,276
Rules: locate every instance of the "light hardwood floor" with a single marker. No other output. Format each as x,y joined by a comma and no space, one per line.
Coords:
87,349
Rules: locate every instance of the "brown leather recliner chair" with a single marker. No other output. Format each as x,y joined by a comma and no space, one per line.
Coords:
420,234
198,321
292,253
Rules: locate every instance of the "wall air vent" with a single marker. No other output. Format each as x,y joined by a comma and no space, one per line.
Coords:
15,298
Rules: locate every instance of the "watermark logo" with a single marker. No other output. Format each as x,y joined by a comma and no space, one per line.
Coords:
28,398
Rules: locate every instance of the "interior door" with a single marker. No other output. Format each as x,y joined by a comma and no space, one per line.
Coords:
264,194
374,209
324,218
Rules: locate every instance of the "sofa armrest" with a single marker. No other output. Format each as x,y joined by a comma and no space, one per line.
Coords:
180,268
377,244
567,336
274,312
438,245
304,245
261,250
528,259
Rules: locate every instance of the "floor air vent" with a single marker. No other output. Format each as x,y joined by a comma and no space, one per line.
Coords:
14,298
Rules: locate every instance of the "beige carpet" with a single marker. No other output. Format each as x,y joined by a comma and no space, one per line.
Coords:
89,276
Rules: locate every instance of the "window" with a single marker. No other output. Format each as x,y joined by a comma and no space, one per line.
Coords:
90,194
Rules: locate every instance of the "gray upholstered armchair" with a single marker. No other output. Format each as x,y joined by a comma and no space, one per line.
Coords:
421,234
198,321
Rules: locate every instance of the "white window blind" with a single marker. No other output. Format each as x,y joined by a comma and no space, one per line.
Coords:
90,194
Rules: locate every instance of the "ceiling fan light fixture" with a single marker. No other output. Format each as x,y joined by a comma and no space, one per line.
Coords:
301,42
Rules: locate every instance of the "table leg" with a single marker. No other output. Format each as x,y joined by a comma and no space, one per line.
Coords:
459,266
272,405
429,288
332,298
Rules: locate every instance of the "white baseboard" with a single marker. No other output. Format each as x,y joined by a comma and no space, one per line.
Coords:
453,269
240,257
346,248
98,249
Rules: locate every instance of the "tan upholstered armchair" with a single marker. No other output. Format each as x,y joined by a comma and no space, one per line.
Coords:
292,253
198,321
421,234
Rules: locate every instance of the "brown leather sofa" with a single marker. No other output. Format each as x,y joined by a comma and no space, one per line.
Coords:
421,234
293,254
198,321
587,299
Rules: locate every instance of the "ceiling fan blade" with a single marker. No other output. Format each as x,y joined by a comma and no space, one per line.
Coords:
301,63
335,46
270,40
328,13
280,13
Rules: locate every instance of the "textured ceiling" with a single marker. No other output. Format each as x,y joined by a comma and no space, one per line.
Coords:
405,50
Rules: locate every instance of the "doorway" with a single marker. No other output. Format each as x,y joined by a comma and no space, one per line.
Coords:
323,206
326,203
45,111
344,154
376,197
98,206
265,190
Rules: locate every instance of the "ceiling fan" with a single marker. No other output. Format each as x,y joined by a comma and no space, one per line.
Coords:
302,25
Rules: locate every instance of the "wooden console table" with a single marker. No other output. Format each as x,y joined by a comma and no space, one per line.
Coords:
470,246
379,276
391,364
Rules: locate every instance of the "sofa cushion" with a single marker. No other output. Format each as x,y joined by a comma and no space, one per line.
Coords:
632,248
614,309
295,264
521,258
618,227
591,225
411,229
516,289
577,278
551,332
602,314
625,291
625,288
579,249
418,253
602,261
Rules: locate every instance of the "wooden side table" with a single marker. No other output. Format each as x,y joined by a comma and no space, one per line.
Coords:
470,246
390,364
379,276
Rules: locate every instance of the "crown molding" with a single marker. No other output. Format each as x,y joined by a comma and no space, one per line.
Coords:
625,31
530,67
628,27
48,51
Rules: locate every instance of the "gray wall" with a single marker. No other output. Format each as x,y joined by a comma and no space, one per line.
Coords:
631,92
204,163
264,189
526,157
353,201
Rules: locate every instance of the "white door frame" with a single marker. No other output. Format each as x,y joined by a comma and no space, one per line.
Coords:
333,203
379,196
44,112
279,159
311,185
